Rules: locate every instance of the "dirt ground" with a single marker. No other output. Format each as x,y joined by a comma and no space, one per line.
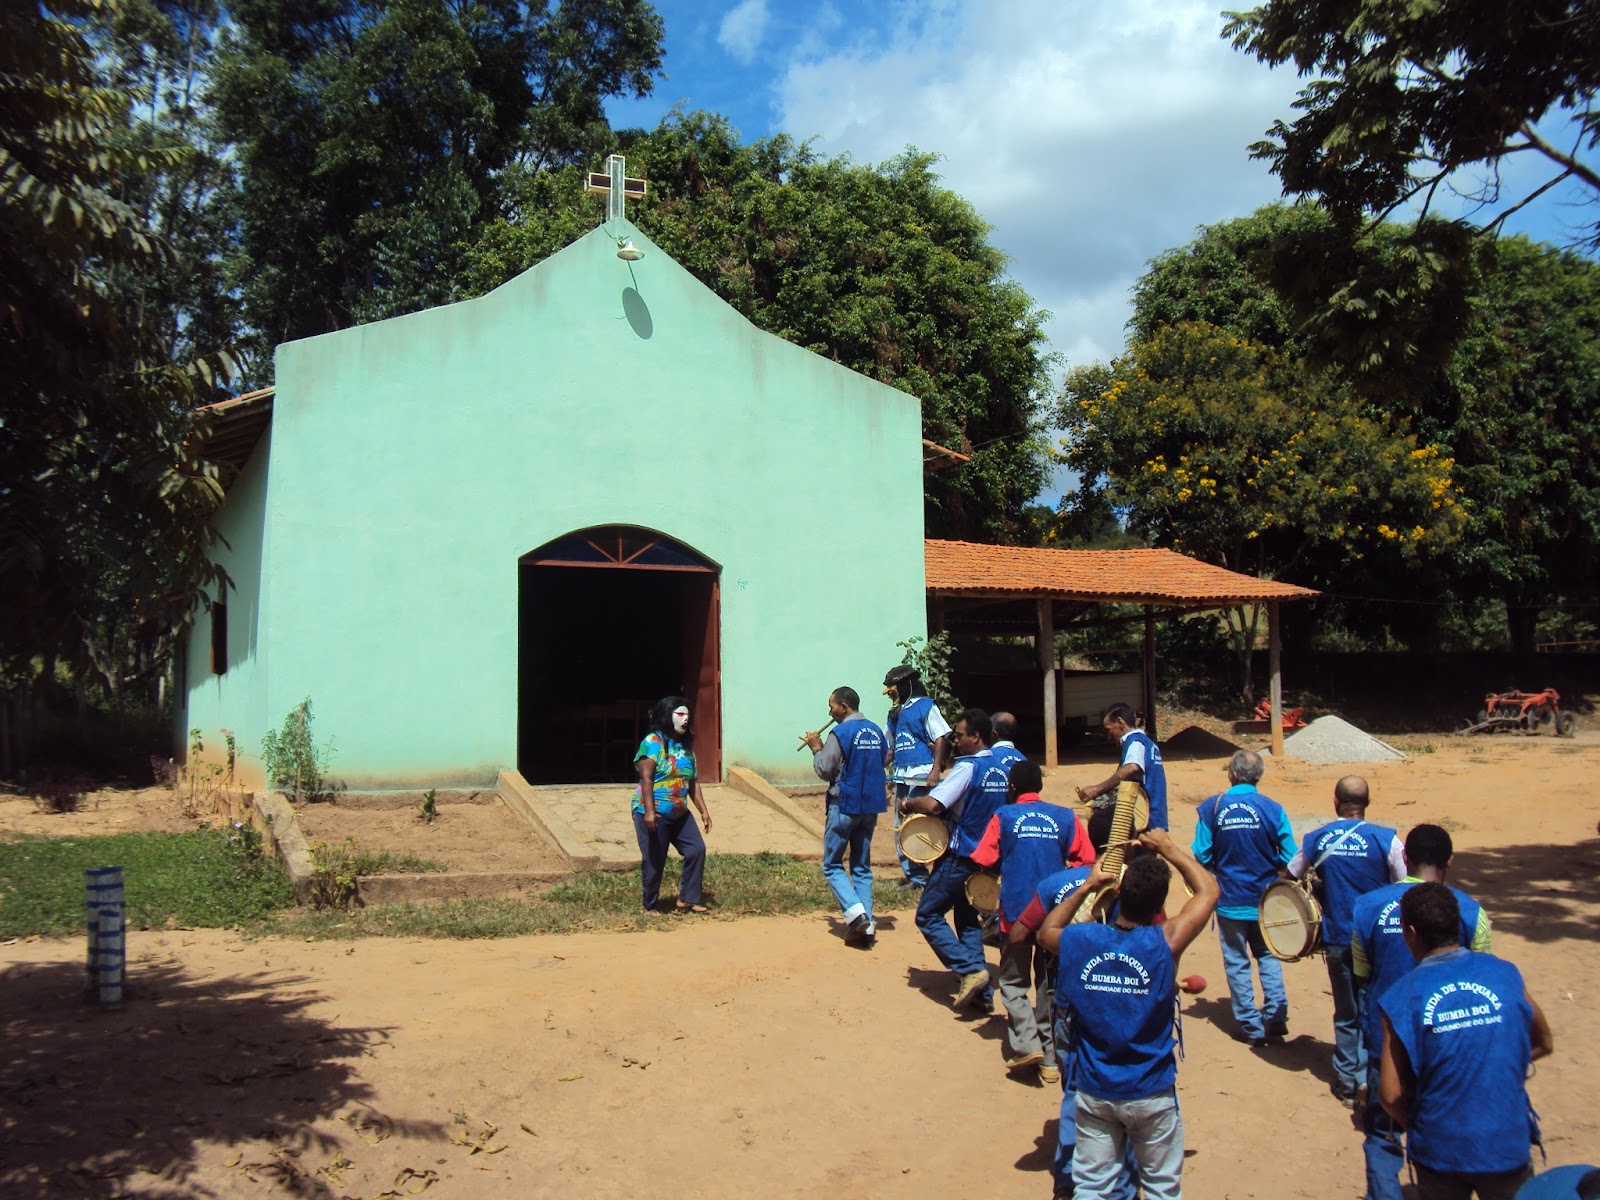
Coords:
473,832
731,1058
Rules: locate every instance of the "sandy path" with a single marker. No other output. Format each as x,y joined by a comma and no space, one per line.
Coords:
731,1058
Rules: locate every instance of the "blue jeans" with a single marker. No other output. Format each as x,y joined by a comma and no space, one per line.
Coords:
1381,1146
1349,1051
850,877
1241,940
1067,1127
917,873
681,834
946,892
1108,1129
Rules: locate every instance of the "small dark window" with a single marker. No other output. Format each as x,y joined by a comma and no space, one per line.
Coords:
219,638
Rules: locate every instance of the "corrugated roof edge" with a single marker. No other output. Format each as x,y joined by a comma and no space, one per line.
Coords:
1143,575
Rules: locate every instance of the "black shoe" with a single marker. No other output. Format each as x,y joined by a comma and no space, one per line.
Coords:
857,929
1277,1029
1255,1043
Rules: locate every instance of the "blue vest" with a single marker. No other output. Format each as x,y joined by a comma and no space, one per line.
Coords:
909,728
1008,757
1464,1021
1155,777
1054,889
1375,924
1034,839
1121,990
1350,868
986,792
861,785
1244,844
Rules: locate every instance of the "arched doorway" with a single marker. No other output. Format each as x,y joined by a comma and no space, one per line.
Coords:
609,620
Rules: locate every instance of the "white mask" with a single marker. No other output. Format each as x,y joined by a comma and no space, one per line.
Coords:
680,720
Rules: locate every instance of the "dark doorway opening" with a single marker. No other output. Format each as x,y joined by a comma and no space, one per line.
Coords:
609,620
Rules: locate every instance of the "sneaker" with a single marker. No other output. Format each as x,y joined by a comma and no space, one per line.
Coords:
869,939
857,929
1255,1042
1022,1061
1049,1074
1358,1099
1277,1029
971,985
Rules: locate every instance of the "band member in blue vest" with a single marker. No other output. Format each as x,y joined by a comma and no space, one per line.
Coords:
967,796
1350,857
1246,838
1139,760
1119,986
1379,959
1458,1035
1052,892
920,738
852,762
1029,840
1004,746
1576,1181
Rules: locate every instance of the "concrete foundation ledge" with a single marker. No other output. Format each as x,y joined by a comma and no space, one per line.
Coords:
547,823
747,783
434,888
287,840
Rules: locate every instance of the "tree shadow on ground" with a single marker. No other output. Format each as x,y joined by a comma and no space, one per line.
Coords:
93,1099
1543,892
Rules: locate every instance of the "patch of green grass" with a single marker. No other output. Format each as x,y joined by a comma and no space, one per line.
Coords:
736,885
388,862
196,879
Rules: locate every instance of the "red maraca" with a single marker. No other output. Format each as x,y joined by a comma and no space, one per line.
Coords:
1193,984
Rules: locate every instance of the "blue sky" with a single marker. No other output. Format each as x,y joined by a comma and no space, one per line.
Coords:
1092,135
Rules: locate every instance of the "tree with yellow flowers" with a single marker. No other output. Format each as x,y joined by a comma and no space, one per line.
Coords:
1232,452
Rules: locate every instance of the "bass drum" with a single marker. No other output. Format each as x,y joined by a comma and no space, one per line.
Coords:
1291,920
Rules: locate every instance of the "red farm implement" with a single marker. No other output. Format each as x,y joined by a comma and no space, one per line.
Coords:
1527,712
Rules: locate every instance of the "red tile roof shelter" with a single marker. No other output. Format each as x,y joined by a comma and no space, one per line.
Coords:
1018,590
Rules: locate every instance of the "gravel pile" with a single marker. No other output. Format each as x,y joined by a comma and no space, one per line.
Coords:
1329,741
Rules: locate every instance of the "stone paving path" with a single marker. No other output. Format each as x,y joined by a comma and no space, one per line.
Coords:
739,824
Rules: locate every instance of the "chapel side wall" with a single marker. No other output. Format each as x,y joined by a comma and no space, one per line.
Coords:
417,459
236,699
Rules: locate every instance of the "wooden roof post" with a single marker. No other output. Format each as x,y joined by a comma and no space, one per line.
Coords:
1274,665
1046,638
1150,672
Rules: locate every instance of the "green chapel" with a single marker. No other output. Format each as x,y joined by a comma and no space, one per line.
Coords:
489,535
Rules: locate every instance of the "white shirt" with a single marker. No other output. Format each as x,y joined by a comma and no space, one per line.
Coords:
1133,755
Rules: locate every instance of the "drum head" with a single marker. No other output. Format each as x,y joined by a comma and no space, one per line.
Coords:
924,838
1291,920
983,892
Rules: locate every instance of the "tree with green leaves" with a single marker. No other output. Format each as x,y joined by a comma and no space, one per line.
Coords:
1520,412
879,268
103,510
1515,403
161,53
1408,98
1229,451
372,138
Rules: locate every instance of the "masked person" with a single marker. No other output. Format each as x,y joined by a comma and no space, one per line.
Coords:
661,818
919,735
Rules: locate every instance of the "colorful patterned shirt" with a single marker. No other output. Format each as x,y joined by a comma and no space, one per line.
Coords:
674,775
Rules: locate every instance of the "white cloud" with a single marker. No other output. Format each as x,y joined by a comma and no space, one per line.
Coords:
742,28
1091,135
